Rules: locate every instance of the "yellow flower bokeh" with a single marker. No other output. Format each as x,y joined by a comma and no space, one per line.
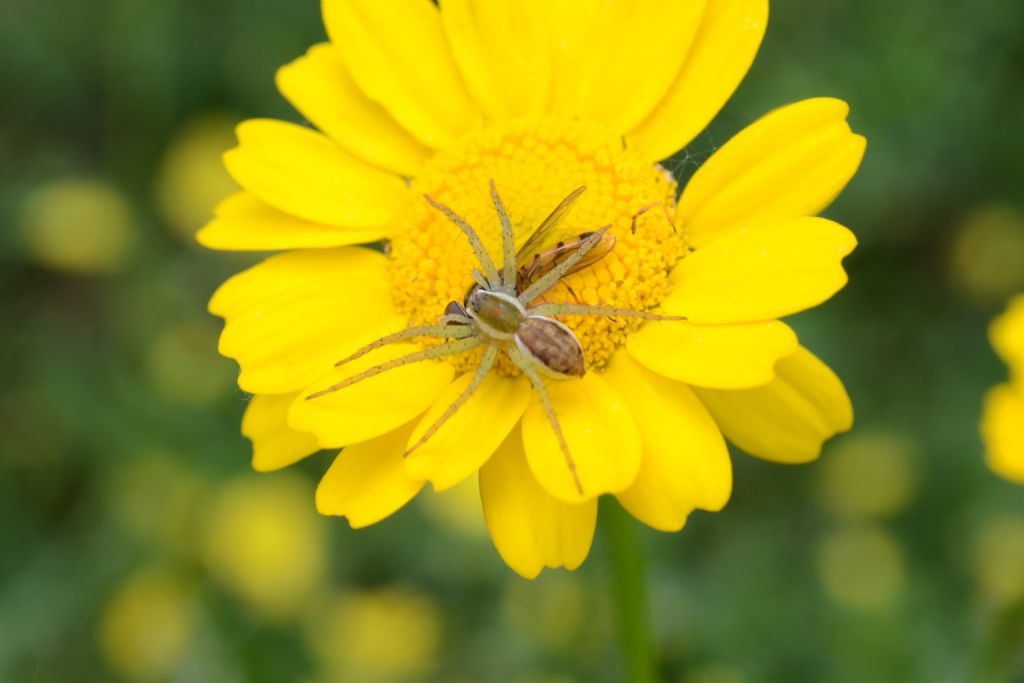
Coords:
147,625
78,225
998,559
869,474
862,567
180,368
191,179
987,253
1002,421
377,636
265,543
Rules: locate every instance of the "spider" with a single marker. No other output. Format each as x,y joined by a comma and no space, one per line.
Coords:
500,312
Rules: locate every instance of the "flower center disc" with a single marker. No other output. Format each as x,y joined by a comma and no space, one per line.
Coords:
535,164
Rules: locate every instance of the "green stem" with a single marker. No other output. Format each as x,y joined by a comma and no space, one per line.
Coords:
628,587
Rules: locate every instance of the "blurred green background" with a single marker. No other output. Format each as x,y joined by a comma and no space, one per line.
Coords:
137,545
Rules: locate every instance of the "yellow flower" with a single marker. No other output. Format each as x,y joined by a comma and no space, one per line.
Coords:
1002,424
264,543
541,98
354,635
862,567
997,558
78,225
148,624
987,253
873,474
191,179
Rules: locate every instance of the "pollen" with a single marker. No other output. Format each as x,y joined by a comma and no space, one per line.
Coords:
535,164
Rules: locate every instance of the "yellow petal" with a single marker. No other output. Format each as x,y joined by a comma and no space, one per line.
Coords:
788,420
305,347
274,443
289,330
762,274
397,53
727,39
320,87
624,40
568,32
1002,428
502,53
305,173
720,356
1007,335
244,223
466,440
374,406
601,434
367,481
685,461
792,162
280,273
530,529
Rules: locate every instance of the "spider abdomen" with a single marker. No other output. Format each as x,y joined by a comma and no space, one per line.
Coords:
552,347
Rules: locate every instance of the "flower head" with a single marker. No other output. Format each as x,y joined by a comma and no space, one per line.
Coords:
675,315
1002,424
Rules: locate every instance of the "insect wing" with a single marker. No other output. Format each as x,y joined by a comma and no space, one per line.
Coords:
546,260
546,230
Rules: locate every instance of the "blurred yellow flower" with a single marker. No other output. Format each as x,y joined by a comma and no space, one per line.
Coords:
191,179
154,497
541,98
147,625
389,634
862,567
1002,422
266,544
78,225
998,559
180,365
458,509
987,255
869,474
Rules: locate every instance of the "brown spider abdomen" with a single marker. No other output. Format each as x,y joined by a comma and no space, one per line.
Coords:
552,346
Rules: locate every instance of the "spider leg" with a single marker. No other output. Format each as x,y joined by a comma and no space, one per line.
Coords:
441,331
486,363
452,319
664,207
486,262
439,351
508,247
584,309
479,278
524,364
572,292
549,279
